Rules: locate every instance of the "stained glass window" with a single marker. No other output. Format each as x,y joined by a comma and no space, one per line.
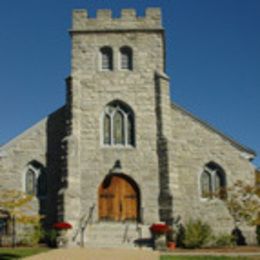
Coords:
213,181
130,129
118,124
30,182
118,128
107,130
205,184
217,182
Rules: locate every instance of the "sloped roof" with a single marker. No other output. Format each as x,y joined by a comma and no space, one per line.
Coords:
27,131
213,129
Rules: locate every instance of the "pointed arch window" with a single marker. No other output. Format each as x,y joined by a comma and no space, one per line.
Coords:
130,129
213,181
205,184
118,125
30,182
126,58
107,127
35,180
106,58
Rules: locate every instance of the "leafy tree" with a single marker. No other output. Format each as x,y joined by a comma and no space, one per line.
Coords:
18,206
243,204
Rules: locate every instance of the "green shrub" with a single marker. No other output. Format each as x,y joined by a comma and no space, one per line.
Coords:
180,236
34,235
223,240
258,234
197,234
51,237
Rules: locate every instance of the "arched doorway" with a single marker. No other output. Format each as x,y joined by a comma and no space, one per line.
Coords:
119,199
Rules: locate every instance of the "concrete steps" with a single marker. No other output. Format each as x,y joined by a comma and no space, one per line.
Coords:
109,234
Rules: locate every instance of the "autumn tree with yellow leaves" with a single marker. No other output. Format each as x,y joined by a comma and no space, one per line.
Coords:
243,204
18,207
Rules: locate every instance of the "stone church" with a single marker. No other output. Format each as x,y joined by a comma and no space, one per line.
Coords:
120,154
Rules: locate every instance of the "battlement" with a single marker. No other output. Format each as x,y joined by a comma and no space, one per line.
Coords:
127,21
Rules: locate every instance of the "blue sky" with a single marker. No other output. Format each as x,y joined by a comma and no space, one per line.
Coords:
213,59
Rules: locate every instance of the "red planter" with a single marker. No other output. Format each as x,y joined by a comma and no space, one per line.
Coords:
62,225
159,228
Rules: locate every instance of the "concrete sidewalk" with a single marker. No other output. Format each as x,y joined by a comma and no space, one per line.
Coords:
233,254
97,254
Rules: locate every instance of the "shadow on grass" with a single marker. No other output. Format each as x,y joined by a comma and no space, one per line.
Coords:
20,253
7,256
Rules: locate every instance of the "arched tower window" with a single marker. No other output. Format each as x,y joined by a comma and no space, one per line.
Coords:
106,58
118,124
126,58
213,181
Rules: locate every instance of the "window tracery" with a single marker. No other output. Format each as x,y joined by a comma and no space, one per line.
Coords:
118,125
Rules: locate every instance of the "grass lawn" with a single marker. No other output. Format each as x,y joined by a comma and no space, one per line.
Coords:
206,258
16,253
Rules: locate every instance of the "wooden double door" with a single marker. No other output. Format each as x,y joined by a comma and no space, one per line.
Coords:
118,199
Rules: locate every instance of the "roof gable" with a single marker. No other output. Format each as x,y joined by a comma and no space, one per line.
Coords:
213,129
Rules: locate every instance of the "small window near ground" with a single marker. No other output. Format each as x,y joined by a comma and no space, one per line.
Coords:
5,227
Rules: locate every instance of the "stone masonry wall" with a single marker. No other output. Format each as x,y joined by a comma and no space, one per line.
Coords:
193,145
14,158
16,154
42,144
127,21
164,129
93,89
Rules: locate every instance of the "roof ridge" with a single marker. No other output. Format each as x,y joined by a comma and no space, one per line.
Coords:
27,130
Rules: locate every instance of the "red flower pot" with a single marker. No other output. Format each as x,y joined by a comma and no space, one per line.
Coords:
171,245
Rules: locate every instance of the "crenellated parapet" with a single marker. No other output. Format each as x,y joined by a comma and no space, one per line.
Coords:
127,21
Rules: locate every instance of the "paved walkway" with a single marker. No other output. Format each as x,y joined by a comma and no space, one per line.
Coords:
136,254
257,255
97,254
232,251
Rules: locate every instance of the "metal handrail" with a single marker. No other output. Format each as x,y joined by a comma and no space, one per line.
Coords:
82,224
78,228
125,237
